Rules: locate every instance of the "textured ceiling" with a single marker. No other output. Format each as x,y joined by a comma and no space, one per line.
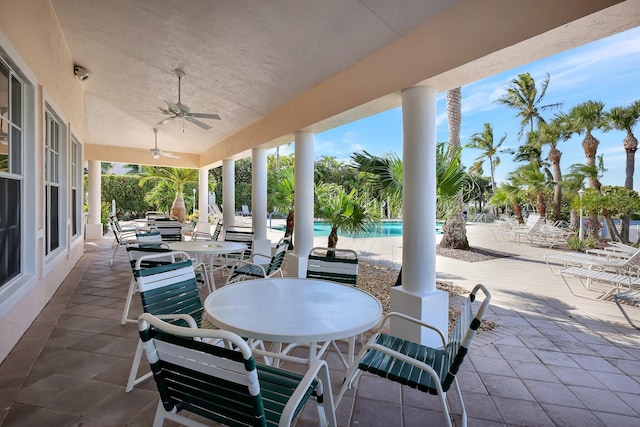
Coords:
241,58
270,67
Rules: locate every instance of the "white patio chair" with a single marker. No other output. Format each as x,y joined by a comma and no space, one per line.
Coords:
224,383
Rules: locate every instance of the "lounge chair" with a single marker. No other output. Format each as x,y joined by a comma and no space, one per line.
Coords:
122,234
631,297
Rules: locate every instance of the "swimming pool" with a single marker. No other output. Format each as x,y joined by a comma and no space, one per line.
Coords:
385,229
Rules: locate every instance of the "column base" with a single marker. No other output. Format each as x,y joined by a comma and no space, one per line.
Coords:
432,308
93,231
262,246
296,265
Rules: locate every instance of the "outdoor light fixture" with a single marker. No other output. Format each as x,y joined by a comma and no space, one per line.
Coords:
581,232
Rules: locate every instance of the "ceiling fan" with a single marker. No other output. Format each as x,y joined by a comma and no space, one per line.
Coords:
157,153
178,109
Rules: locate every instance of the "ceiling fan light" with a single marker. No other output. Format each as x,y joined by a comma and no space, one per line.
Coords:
156,156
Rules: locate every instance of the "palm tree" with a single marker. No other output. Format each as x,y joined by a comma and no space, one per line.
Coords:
551,134
281,193
455,231
177,176
349,212
624,119
508,193
484,141
383,174
523,96
536,181
585,118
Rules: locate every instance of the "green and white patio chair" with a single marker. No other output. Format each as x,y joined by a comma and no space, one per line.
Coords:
336,265
241,235
136,250
167,289
243,270
224,383
430,370
122,234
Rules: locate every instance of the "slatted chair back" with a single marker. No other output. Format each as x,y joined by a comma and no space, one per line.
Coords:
170,230
217,230
222,383
170,288
241,235
247,269
167,289
429,369
135,250
337,265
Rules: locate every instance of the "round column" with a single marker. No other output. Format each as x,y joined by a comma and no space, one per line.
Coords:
228,193
259,192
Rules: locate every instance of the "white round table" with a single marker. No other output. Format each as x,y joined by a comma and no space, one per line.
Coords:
293,310
200,248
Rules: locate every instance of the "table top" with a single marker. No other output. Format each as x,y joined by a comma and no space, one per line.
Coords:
214,247
293,310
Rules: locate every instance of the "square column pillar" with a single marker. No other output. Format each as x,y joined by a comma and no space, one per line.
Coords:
418,296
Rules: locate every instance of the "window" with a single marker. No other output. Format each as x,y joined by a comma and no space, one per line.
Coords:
11,179
54,192
76,190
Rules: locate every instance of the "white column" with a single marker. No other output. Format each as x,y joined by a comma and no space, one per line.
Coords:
303,226
94,225
228,193
262,245
203,200
418,296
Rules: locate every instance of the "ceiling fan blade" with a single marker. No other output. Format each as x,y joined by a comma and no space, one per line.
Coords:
166,120
197,122
205,116
173,156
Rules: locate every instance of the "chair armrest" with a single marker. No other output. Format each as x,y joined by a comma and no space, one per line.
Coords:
412,320
187,318
318,370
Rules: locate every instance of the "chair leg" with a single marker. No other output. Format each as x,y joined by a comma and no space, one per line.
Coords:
115,249
133,381
626,316
127,304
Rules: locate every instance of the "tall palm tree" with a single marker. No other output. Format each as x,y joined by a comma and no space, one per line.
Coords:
585,118
625,119
523,95
454,228
550,134
484,142
281,193
349,212
177,176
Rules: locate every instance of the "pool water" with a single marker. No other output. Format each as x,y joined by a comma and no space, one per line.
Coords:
385,229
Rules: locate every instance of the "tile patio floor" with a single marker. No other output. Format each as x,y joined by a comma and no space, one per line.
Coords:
554,359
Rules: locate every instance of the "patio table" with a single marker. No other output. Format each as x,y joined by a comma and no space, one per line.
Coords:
199,249
293,310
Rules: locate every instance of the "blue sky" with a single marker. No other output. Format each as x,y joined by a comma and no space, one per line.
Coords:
606,70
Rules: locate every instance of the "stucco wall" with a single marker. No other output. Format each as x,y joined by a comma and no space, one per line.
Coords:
31,35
